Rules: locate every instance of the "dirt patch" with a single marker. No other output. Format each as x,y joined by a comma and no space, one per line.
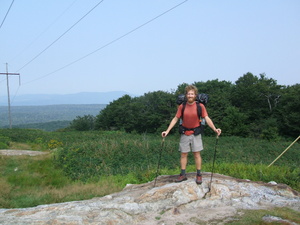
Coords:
21,152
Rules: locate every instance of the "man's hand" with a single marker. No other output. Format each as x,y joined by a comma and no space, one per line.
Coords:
218,131
164,134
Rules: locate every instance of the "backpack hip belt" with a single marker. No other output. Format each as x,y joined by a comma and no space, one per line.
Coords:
197,130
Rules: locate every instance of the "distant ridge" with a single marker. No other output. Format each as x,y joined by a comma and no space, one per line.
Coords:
46,117
57,99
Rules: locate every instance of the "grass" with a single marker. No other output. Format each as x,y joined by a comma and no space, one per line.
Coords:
260,172
22,146
255,217
83,165
30,181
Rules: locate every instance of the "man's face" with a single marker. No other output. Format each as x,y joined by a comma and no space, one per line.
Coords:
191,96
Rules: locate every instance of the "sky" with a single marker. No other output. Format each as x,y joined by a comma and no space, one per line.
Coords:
72,46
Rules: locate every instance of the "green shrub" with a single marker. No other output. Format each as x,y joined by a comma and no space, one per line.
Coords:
4,142
90,164
24,135
119,153
93,154
3,145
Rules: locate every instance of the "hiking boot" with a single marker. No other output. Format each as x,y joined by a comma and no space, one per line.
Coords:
181,178
199,179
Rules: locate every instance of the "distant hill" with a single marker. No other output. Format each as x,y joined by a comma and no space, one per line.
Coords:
35,116
51,99
51,112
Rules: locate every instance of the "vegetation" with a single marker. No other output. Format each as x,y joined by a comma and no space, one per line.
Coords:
46,117
97,155
252,107
83,123
46,126
254,217
29,181
83,165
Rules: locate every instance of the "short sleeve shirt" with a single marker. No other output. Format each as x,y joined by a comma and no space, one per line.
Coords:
190,117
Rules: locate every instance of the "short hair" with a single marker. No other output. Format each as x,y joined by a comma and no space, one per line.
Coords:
190,88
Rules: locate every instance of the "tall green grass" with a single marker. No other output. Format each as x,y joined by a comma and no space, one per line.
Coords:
120,153
83,165
28,181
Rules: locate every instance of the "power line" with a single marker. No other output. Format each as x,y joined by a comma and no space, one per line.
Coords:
7,13
37,39
61,35
47,28
109,43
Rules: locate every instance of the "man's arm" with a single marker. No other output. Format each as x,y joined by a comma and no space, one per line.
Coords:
172,124
212,126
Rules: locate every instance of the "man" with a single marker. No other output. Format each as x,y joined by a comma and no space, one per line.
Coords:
189,140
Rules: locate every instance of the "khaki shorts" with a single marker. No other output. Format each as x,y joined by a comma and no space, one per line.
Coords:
190,142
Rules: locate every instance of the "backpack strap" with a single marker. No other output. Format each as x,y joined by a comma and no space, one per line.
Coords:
199,111
182,110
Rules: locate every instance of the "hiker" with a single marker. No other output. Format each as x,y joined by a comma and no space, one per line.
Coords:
188,140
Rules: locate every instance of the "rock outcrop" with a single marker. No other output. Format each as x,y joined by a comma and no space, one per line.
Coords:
166,203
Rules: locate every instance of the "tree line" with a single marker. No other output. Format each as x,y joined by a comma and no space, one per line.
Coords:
253,106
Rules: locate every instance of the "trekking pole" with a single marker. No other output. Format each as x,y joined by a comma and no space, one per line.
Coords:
213,167
284,151
158,164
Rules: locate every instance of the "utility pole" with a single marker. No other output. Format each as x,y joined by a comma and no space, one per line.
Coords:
8,97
